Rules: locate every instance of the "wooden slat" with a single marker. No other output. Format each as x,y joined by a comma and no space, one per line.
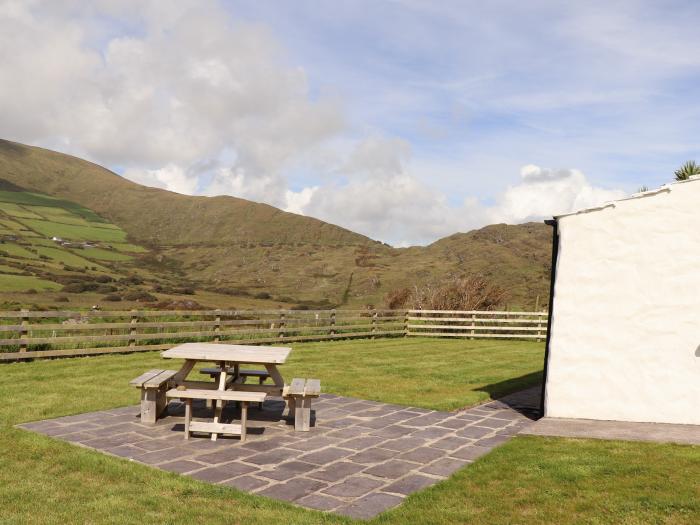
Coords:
79,352
476,336
296,388
478,320
14,314
159,379
217,428
225,395
140,380
473,327
313,387
475,312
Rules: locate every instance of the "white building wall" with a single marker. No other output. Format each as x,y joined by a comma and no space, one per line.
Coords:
625,335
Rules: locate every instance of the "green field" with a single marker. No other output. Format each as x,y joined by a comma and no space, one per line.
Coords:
18,211
128,248
17,251
40,199
64,256
21,283
75,232
33,219
529,480
104,255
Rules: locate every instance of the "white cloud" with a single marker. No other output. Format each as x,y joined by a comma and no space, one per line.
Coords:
296,201
182,96
403,210
174,95
545,192
170,177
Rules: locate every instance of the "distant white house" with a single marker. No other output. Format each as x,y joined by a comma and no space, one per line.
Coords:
624,338
56,239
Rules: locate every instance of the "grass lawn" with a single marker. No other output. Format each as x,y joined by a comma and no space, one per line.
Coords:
528,480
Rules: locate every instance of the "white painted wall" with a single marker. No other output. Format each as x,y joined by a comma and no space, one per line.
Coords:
625,338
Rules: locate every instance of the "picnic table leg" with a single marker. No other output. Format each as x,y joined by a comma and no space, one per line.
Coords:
187,367
188,417
244,419
276,377
219,405
305,415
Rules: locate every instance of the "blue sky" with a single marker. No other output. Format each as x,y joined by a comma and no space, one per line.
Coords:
404,120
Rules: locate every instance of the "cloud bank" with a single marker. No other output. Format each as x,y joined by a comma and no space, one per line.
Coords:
186,96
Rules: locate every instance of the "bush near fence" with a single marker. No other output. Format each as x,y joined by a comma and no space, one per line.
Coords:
36,334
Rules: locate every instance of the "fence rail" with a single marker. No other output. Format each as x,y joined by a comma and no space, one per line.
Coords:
476,324
36,334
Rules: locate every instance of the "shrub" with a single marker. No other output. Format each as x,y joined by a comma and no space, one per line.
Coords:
62,299
103,279
73,288
463,293
106,288
112,298
262,295
140,296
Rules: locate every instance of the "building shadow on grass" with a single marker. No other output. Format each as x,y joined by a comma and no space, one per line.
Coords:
522,394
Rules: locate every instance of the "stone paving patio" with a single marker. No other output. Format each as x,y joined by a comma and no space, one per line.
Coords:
360,458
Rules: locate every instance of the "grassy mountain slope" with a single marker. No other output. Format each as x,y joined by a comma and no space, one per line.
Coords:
240,253
158,216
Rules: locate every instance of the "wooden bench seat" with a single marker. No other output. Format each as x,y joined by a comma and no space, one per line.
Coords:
216,395
299,395
153,385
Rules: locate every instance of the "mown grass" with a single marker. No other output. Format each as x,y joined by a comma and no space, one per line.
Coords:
528,481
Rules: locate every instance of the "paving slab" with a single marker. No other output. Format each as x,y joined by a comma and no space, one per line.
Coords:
360,457
588,428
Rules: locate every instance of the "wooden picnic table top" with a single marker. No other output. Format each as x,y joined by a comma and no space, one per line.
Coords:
230,353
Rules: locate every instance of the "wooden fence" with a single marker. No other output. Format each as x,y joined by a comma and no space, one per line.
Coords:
34,334
477,324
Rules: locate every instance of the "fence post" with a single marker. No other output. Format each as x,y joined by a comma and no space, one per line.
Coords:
23,332
374,322
281,323
332,332
405,323
472,331
539,326
132,328
217,326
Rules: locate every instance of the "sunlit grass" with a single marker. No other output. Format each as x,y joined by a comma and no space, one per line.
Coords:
530,480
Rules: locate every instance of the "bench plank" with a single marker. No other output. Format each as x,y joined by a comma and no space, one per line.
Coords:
221,395
297,387
158,380
313,387
140,380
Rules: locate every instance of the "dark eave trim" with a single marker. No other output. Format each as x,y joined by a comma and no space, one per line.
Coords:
553,276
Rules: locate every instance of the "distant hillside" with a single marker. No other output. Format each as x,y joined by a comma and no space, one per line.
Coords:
240,253
158,216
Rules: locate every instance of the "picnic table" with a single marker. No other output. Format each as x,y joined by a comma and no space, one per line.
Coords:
228,358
